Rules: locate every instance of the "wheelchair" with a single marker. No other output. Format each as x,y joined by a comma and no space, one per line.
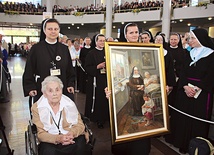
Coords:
32,143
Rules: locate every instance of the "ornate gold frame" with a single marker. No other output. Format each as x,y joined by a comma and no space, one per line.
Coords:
120,58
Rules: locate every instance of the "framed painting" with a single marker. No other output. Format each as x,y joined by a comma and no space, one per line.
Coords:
148,61
138,101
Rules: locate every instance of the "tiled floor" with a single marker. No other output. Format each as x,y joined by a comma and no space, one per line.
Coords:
15,116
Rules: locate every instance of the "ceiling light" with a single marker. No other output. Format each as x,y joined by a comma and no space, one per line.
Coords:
72,24
189,24
144,22
69,27
82,24
78,27
31,24
181,20
114,27
210,18
122,22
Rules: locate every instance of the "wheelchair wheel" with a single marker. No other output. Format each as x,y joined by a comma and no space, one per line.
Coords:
31,142
27,147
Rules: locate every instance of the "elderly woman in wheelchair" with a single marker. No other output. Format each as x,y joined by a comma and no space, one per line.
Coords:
60,129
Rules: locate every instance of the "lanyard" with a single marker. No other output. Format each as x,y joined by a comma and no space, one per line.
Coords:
57,125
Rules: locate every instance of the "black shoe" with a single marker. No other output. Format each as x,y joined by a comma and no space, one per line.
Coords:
100,125
183,151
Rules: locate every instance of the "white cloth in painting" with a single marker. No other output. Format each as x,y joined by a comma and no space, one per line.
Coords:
154,85
150,103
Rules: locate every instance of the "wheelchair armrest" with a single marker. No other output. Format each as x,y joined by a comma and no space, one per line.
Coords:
86,122
33,127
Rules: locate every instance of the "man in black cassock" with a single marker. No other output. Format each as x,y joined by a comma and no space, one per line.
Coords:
48,57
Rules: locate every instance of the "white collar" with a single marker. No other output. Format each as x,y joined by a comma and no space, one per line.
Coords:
87,46
66,104
199,52
173,47
136,75
50,42
100,49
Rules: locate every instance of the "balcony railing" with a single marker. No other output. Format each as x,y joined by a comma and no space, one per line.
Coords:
136,10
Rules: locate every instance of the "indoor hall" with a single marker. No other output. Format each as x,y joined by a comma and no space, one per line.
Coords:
15,116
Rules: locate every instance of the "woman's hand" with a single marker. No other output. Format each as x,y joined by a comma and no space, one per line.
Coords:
169,89
101,65
70,90
67,139
190,91
33,93
140,87
108,92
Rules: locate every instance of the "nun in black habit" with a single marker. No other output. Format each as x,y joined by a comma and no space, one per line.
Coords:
48,57
169,70
83,53
96,107
195,91
130,33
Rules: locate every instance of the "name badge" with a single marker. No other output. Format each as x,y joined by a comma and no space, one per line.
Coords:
55,72
103,71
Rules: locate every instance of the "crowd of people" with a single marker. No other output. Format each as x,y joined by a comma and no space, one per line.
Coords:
29,7
80,66
183,67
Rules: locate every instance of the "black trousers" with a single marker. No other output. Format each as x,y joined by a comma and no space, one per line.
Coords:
78,148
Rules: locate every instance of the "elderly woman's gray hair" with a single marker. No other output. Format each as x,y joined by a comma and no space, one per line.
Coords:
49,79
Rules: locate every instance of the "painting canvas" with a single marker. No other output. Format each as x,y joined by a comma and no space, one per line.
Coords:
138,102
148,61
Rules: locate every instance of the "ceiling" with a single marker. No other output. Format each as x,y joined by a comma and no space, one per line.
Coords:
201,22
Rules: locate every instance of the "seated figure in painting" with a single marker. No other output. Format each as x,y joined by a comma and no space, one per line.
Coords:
151,83
136,86
147,109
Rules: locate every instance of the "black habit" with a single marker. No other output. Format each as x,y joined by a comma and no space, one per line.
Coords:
169,70
38,67
201,75
83,76
178,55
101,108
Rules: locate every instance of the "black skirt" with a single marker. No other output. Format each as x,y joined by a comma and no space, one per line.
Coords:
78,148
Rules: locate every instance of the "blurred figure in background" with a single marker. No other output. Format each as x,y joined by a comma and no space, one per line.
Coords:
147,37
83,53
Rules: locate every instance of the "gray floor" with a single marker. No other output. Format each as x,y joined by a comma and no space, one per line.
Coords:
15,116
